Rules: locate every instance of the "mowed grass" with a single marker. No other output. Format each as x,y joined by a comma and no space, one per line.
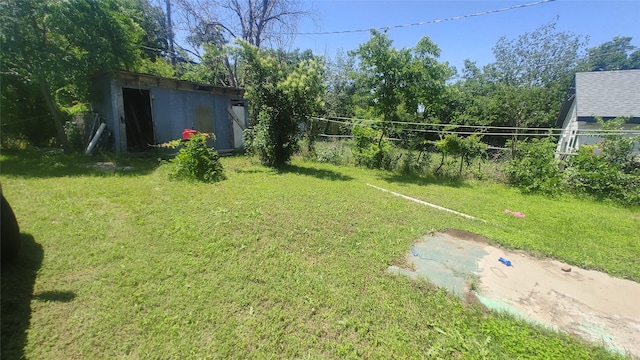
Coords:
269,264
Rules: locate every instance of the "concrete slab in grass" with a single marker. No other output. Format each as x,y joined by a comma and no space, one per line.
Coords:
445,261
586,303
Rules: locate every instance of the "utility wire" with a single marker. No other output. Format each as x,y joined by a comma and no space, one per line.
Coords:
343,120
587,132
428,22
432,124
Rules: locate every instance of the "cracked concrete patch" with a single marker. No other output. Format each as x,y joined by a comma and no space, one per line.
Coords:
587,303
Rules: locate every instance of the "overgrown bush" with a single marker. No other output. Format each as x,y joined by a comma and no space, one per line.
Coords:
275,138
593,174
534,167
414,163
284,90
196,161
617,148
408,163
75,135
248,135
467,149
13,142
610,169
332,153
607,170
370,150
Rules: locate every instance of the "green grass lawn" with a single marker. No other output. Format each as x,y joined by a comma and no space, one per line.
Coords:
270,264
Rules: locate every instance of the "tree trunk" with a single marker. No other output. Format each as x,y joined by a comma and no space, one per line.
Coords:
62,136
311,139
380,154
233,80
441,163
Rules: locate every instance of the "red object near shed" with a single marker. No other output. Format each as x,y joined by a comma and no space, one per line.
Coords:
188,133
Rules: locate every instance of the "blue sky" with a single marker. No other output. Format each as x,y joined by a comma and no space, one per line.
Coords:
471,38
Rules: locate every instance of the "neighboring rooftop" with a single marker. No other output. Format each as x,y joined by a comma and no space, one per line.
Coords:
607,94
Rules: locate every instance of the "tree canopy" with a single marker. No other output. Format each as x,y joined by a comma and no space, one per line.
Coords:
56,46
397,84
254,21
284,89
526,84
617,54
538,58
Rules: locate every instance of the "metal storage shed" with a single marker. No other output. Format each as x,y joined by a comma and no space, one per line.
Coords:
142,110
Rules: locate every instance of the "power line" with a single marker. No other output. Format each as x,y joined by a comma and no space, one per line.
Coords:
428,22
482,127
434,124
583,132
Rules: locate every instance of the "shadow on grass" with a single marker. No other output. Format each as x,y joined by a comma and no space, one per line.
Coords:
424,180
317,173
18,278
55,296
53,163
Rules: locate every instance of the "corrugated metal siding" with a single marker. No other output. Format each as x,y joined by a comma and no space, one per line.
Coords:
101,99
168,112
176,105
223,124
175,110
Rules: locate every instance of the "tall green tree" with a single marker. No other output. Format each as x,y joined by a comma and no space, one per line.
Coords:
617,54
542,57
255,21
533,73
56,46
340,86
526,84
399,84
152,19
284,90
213,67
262,23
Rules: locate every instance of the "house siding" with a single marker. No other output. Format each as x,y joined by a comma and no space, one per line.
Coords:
605,94
570,126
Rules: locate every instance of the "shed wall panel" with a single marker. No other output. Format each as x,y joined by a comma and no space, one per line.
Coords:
223,129
168,114
176,110
173,108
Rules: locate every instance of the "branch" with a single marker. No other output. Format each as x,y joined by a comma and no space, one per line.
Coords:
190,52
216,23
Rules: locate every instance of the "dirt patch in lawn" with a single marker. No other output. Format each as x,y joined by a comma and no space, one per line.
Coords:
587,303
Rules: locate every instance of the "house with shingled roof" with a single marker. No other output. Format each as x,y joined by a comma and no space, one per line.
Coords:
604,94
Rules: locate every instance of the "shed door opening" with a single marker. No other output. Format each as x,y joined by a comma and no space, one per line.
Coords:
138,119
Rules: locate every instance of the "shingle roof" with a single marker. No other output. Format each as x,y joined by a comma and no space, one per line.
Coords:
608,93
